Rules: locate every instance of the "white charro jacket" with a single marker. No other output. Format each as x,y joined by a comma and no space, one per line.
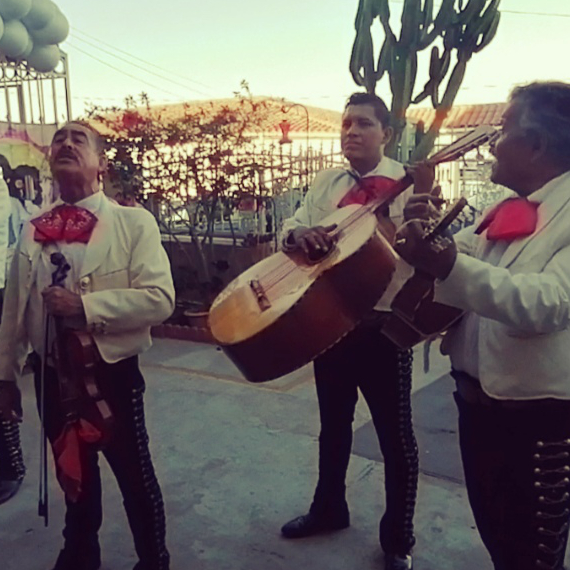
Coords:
125,282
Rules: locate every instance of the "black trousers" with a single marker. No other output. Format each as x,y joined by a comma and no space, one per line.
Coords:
367,360
516,458
11,459
122,386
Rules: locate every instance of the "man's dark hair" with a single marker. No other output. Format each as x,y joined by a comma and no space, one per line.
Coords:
546,111
380,109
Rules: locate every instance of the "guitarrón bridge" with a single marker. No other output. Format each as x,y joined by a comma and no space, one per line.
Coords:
260,294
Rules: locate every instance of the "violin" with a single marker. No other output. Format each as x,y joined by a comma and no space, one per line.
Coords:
77,358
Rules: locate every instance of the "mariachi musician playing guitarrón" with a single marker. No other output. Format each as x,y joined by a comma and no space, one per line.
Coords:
119,284
364,358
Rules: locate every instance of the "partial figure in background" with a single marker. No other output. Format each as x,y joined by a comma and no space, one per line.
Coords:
12,469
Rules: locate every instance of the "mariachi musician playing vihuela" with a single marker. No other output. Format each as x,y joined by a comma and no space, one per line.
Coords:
510,353
89,279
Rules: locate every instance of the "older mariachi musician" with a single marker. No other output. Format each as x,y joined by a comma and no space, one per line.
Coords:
119,284
510,354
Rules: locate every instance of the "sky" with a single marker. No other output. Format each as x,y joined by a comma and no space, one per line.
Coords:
180,50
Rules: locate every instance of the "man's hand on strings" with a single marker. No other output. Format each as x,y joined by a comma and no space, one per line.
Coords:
423,174
10,402
423,207
435,258
315,241
62,303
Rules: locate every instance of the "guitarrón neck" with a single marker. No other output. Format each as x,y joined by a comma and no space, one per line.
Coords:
473,139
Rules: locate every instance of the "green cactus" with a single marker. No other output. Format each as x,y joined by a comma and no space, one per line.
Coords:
466,27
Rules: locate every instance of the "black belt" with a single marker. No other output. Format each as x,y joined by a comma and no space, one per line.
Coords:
470,391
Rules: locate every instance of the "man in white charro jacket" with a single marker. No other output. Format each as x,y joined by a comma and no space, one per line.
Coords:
510,353
364,360
119,284
12,468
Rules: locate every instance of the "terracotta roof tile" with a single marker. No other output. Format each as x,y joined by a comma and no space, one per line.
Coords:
461,116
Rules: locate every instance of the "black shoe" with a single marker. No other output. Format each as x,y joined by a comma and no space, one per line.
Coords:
309,524
8,489
393,562
73,560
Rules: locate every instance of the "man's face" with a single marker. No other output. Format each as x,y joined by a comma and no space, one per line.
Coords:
513,151
362,135
74,152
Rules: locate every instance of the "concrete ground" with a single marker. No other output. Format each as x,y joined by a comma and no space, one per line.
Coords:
237,460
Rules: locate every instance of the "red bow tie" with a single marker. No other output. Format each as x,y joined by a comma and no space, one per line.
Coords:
511,219
367,189
65,223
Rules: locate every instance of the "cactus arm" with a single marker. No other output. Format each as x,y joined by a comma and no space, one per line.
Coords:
411,17
422,150
490,33
472,9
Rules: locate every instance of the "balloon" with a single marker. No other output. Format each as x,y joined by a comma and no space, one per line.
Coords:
44,58
40,15
55,32
14,9
28,50
14,40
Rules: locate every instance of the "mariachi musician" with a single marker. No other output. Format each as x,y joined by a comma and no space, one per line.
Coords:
118,283
364,359
510,353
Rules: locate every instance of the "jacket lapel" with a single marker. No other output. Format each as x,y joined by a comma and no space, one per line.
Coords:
100,241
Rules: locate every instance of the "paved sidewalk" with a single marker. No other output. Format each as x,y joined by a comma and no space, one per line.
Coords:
237,460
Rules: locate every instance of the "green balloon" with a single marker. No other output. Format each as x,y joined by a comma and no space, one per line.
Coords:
14,40
15,9
44,58
55,32
40,15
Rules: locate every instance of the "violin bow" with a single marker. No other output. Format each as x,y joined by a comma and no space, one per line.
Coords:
43,504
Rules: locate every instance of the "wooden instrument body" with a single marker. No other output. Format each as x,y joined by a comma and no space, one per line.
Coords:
77,358
284,311
81,397
415,316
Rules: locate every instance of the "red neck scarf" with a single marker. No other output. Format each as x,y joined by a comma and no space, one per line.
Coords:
367,189
65,223
511,219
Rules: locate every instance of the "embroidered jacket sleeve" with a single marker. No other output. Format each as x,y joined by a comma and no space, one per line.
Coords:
142,297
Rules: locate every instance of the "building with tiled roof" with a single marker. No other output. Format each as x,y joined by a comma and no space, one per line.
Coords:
461,116
319,129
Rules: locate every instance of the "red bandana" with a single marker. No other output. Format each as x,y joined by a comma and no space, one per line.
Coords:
65,223
511,219
367,189
67,452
